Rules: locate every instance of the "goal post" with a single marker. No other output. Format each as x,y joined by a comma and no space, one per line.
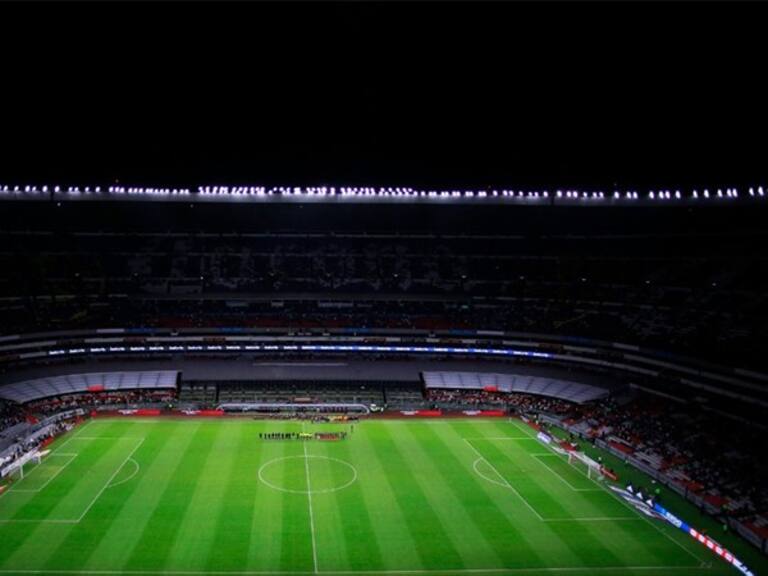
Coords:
590,468
15,471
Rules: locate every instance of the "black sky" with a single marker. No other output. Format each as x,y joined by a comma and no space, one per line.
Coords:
427,95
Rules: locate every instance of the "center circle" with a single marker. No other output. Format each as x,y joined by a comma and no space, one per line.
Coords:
307,474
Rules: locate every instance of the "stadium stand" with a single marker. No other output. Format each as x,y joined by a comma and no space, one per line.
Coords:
701,454
563,390
480,399
680,298
10,415
104,401
667,307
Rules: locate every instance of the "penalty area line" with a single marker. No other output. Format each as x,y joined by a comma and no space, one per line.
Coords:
53,476
111,478
506,482
529,438
136,469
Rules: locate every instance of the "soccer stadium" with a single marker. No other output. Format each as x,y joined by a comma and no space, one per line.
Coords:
326,380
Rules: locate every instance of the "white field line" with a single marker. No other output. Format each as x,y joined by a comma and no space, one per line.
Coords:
100,492
476,451
14,489
524,430
595,519
76,434
500,438
124,480
36,521
309,501
657,528
562,478
568,569
504,484
77,521
102,437
61,467
491,480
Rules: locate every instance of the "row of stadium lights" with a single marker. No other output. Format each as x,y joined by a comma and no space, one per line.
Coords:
322,191
91,190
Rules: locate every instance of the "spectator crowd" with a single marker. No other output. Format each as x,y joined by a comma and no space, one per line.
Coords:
703,451
480,399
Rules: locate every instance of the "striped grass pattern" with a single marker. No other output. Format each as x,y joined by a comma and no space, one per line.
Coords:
457,496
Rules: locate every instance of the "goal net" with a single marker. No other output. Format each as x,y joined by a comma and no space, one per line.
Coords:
590,468
15,470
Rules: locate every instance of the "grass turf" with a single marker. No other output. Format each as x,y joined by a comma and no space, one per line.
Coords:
439,496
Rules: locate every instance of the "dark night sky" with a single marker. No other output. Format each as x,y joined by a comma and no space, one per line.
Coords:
441,95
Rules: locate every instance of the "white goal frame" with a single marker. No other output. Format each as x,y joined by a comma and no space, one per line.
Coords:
15,471
593,468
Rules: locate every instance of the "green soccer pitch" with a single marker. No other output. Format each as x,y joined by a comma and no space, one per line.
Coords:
195,496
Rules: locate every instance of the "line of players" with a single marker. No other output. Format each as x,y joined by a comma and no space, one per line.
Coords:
302,436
